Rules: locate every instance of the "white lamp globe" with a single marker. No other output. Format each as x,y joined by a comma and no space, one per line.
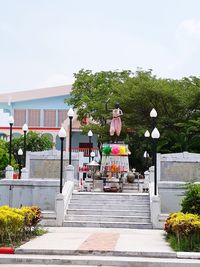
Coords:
92,154
62,133
90,133
25,127
70,113
20,152
10,120
155,133
153,113
147,134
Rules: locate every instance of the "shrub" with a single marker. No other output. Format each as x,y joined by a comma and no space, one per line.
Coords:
191,201
183,231
17,224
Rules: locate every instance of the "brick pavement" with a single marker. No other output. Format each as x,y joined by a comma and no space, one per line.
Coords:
100,241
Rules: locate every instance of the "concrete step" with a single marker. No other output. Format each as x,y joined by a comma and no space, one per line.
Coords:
48,214
110,195
107,212
129,190
103,224
107,218
132,189
131,210
81,260
48,218
109,202
133,186
110,206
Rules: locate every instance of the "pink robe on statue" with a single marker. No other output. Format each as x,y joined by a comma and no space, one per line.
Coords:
116,125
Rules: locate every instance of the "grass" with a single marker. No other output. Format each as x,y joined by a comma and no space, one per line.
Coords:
38,231
189,243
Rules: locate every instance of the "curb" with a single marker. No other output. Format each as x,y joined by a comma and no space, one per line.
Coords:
144,254
7,250
97,261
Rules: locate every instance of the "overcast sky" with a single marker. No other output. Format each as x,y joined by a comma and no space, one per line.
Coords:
43,42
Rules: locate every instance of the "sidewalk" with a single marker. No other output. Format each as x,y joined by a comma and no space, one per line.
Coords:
100,247
125,242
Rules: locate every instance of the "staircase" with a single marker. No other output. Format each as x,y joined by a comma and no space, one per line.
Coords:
109,210
133,187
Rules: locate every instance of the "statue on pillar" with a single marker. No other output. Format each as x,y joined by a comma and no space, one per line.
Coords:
116,124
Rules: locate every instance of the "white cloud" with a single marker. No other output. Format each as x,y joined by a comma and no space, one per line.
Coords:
186,49
190,27
56,80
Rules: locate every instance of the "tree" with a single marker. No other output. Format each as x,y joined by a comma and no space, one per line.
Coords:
34,142
176,101
3,156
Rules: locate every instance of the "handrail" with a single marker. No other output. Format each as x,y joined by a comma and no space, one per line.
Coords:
67,193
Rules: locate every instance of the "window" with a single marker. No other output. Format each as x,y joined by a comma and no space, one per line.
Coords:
49,118
62,116
34,117
19,117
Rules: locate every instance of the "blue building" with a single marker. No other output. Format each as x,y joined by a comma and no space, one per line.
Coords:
44,111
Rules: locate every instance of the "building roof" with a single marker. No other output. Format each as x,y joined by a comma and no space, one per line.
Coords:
36,94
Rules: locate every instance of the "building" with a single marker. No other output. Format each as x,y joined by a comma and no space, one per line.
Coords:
45,111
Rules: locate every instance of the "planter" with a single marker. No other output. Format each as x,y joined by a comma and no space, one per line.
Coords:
15,176
130,177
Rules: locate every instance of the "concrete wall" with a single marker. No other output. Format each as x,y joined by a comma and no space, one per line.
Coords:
171,195
174,170
46,164
16,193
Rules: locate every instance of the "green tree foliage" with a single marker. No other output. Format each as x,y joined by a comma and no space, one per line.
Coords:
35,142
191,201
3,155
177,103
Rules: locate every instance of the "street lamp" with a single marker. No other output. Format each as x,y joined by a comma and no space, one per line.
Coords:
11,122
25,130
146,155
62,135
92,154
70,114
90,134
20,154
155,135
153,115
146,135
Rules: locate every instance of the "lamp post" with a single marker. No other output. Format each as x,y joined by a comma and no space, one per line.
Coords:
70,114
25,129
11,122
146,135
62,135
20,154
92,154
155,135
90,134
153,115
146,155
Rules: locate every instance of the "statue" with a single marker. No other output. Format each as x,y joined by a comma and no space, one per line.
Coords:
116,125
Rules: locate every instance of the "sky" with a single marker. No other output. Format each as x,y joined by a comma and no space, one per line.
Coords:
44,42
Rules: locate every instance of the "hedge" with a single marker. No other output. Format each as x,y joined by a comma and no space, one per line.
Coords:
17,224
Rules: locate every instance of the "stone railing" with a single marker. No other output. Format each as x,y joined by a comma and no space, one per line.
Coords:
63,199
